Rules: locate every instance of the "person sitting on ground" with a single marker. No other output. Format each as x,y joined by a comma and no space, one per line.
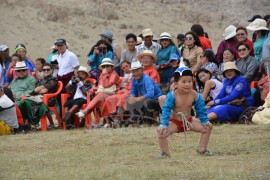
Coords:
117,103
176,113
208,85
38,70
8,117
77,87
130,53
208,61
228,56
235,87
23,84
230,41
33,110
242,36
21,50
143,100
99,51
147,59
108,84
198,30
246,64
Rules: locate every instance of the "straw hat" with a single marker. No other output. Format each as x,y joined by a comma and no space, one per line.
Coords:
135,65
82,69
165,35
147,53
229,32
147,32
20,65
229,66
257,24
106,61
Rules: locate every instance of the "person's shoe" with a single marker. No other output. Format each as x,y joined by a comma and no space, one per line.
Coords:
67,117
94,125
206,153
107,125
80,114
164,155
51,126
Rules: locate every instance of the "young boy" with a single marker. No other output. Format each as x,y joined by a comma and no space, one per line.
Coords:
82,85
177,109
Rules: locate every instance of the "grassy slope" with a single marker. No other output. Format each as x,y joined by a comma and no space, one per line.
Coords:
242,152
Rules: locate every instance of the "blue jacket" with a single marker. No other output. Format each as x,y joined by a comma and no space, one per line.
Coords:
94,61
145,87
169,106
234,88
29,65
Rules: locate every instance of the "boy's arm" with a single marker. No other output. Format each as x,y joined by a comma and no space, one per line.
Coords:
167,109
201,109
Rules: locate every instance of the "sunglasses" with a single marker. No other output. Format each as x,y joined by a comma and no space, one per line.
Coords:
46,70
189,38
22,70
240,34
124,67
106,66
240,50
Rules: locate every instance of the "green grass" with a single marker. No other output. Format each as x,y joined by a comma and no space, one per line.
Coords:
242,152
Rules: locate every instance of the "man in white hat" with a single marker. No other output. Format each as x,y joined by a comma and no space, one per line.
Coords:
144,94
148,43
23,84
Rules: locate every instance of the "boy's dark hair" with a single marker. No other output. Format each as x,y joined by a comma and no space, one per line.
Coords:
9,94
17,55
197,29
195,37
131,35
41,60
243,44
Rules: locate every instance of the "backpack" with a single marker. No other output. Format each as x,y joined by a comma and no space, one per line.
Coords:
247,114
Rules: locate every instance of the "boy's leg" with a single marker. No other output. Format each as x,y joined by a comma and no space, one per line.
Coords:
162,137
205,130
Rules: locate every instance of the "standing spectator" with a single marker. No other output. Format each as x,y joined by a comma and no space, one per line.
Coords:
198,30
230,41
261,32
52,59
131,52
21,50
241,35
67,61
148,43
6,60
193,50
108,36
246,64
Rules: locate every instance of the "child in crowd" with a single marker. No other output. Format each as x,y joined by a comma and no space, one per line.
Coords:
77,87
177,111
38,70
14,59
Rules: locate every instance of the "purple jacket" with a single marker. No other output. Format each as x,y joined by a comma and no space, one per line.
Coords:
230,43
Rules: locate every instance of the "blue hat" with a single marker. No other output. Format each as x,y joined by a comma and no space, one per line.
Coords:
182,70
174,57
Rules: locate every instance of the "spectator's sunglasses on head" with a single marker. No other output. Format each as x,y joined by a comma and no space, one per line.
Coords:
21,70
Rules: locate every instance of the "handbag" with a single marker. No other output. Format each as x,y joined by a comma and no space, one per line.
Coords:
37,98
110,90
238,102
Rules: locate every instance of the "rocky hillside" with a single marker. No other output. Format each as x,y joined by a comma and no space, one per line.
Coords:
37,23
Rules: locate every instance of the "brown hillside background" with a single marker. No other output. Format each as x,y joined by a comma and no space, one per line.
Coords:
38,23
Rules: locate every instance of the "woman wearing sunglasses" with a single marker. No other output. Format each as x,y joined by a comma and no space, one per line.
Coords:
241,35
33,111
193,50
246,64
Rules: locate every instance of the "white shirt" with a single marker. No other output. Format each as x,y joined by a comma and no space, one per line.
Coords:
154,48
67,62
78,93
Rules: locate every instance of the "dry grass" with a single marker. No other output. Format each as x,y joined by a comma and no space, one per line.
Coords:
242,152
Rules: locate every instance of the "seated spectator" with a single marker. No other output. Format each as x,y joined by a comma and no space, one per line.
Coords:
263,117
192,50
21,50
230,41
208,85
235,87
99,51
198,30
174,63
77,88
8,117
6,60
241,35
34,110
147,58
143,100
108,84
246,64
38,70
208,61
180,42
117,103
10,73
262,86
130,53
23,84
228,56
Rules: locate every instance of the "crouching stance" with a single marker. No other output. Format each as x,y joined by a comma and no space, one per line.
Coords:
176,113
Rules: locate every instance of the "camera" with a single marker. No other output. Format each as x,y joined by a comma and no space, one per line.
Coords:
74,79
102,49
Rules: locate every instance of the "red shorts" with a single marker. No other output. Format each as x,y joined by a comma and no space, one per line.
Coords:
179,123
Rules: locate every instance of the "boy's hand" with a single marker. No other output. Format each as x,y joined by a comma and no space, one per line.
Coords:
162,132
